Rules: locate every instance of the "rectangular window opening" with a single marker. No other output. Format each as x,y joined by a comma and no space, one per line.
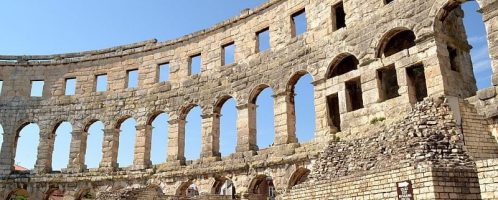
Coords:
333,111
354,95
37,88
299,23
228,54
263,42
417,88
388,83
70,89
339,16
164,72
453,56
101,83
1,87
195,64
132,80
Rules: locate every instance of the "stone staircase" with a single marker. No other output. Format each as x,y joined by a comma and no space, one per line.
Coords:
479,141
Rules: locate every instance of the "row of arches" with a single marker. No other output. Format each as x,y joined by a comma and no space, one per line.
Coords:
224,123
260,186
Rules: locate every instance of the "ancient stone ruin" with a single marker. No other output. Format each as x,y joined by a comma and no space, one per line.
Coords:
398,113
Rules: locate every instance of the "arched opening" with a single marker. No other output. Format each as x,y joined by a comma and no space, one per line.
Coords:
226,125
62,142
18,194
263,116
396,41
27,141
55,194
95,140
298,177
86,194
126,147
262,187
224,187
159,141
301,109
477,38
193,133
342,64
188,189
192,191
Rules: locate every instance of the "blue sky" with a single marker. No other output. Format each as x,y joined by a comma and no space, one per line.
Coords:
51,26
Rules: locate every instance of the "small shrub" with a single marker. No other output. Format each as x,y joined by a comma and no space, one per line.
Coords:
377,120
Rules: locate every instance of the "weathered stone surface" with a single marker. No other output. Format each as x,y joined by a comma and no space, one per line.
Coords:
368,136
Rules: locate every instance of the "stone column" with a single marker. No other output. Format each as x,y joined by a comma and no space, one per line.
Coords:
45,149
320,101
246,128
77,152
110,147
489,11
211,136
8,151
176,142
142,147
285,118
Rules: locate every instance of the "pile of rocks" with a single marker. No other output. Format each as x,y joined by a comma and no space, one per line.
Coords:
428,135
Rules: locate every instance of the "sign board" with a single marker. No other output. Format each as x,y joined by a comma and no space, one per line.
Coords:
405,190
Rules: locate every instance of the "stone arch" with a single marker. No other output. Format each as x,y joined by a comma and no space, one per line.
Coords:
126,153
220,137
469,62
342,64
219,183
261,186
88,123
19,192
394,41
299,176
54,193
441,8
290,106
256,91
153,115
386,29
181,190
55,145
86,193
183,131
120,120
94,138
158,133
23,125
254,115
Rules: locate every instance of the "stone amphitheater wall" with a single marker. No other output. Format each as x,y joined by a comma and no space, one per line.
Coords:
370,26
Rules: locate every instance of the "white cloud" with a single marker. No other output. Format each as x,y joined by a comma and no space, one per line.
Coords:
477,39
482,66
479,53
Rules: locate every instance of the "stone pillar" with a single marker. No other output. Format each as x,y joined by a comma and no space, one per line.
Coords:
489,11
320,101
110,147
246,128
211,136
176,142
285,118
8,151
142,147
77,152
45,149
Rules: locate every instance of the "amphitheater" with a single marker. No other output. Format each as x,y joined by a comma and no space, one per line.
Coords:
398,113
